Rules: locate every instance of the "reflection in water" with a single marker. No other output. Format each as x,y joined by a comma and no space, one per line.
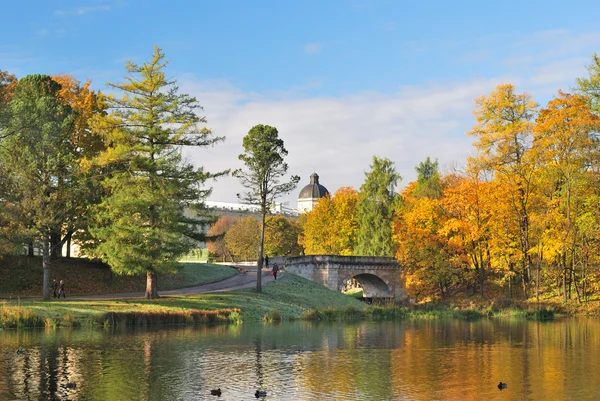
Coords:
427,360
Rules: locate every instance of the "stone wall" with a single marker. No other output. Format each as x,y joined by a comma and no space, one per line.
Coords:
381,277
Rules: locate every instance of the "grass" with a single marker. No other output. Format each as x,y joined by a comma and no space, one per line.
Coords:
284,299
288,298
22,277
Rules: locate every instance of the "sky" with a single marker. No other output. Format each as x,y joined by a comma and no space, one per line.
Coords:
341,80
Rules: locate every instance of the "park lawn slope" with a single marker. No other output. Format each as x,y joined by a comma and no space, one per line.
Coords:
290,295
22,277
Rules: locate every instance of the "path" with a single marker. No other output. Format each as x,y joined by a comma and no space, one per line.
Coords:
239,281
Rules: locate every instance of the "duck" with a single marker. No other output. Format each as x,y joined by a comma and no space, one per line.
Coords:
260,394
502,385
216,392
20,351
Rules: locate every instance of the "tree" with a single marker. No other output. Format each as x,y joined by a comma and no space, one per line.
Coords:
377,201
263,156
428,180
8,83
35,160
421,247
566,144
330,228
243,238
504,139
86,145
281,236
216,234
590,86
140,224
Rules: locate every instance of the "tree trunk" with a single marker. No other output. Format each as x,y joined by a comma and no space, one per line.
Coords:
55,247
260,253
151,285
30,250
69,244
46,268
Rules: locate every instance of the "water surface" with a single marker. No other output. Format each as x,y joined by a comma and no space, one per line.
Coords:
415,360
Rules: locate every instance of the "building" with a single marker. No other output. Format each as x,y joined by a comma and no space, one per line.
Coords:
310,194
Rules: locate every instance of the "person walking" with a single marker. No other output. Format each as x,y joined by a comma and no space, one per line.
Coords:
54,287
61,289
267,261
275,270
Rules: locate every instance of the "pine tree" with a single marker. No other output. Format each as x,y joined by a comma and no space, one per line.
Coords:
377,201
141,226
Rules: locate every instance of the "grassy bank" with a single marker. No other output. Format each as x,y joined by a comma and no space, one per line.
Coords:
22,277
290,297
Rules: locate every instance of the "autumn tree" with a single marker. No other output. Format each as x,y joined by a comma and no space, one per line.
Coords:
140,224
566,144
331,227
216,237
8,83
263,157
469,203
86,145
34,159
243,238
421,249
377,201
281,236
504,137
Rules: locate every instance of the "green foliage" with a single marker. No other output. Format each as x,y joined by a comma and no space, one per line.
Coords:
429,183
543,313
273,316
38,169
591,86
377,201
263,157
141,226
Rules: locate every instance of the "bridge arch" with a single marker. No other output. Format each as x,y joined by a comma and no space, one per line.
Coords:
381,277
373,286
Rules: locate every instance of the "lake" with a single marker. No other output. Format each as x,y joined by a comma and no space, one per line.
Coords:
406,360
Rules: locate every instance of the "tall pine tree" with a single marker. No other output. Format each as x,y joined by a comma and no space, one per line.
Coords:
141,226
377,201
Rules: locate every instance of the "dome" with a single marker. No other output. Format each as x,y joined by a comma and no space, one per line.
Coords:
314,190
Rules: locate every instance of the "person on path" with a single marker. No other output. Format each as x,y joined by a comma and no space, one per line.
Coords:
61,289
267,261
275,270
54,287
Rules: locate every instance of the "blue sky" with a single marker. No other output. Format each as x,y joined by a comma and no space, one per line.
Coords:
341,80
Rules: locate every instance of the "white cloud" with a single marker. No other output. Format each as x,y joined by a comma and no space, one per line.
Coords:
313,48
337,137
83,10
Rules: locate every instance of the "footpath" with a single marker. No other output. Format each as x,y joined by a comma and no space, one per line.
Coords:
239,281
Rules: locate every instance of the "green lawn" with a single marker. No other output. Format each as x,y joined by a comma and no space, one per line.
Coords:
290,295
21,276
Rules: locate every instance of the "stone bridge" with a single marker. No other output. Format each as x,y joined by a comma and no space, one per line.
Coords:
380,277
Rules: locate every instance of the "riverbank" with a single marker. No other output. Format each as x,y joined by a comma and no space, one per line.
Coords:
288,298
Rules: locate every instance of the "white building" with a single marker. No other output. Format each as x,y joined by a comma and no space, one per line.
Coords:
310,194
